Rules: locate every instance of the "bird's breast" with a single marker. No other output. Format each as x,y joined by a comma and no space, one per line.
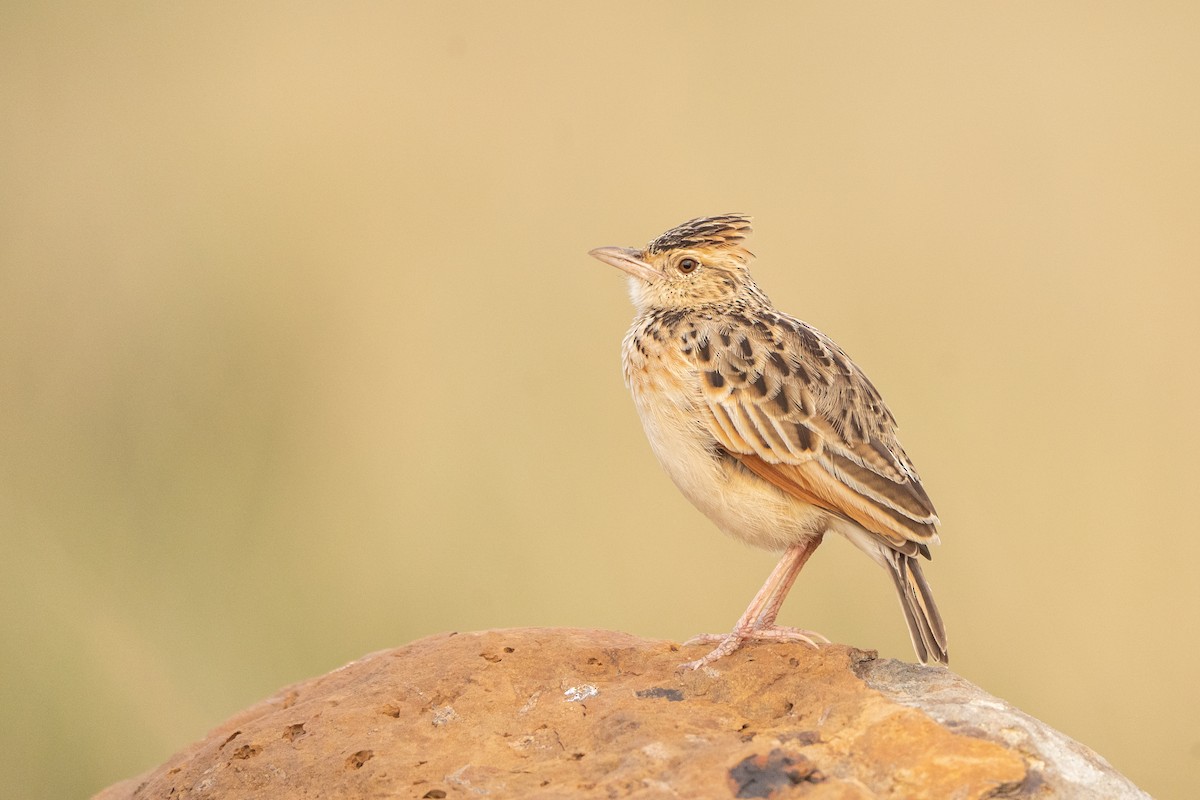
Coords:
666,389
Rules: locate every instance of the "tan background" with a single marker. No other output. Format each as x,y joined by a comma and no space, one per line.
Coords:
302,355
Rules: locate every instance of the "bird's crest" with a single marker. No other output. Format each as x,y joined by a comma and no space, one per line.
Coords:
724,232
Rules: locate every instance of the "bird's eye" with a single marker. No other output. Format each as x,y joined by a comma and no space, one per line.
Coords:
688,265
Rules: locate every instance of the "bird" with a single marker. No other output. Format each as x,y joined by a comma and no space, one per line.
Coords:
768,427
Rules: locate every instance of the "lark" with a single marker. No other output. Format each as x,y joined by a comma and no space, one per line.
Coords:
768,427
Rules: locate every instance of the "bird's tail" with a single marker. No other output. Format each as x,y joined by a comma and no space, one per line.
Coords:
920,612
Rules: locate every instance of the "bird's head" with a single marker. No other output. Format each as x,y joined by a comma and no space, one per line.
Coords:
697,263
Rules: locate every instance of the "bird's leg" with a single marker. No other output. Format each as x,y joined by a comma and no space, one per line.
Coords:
758,620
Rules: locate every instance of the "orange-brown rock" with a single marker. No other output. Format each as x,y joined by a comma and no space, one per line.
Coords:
554,713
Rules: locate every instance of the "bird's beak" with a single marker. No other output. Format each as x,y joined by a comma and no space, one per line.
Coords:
626,259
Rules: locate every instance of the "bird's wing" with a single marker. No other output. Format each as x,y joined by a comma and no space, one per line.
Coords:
795,410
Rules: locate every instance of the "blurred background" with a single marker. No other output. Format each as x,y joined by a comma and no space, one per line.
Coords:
302,356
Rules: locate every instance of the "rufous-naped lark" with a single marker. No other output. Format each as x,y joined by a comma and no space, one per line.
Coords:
768,427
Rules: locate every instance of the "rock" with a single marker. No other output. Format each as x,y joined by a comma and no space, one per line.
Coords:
553,713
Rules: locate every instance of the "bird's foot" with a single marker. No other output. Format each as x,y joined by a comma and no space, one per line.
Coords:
729,642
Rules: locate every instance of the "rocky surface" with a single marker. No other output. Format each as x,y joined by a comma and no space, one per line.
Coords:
553,713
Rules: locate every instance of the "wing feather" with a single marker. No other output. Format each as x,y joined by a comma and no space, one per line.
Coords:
795,410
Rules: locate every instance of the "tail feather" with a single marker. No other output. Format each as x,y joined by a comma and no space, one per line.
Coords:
920,611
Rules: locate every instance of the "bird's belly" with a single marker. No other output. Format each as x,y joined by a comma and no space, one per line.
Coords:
739,502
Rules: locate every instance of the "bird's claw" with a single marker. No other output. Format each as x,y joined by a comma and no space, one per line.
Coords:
729,642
